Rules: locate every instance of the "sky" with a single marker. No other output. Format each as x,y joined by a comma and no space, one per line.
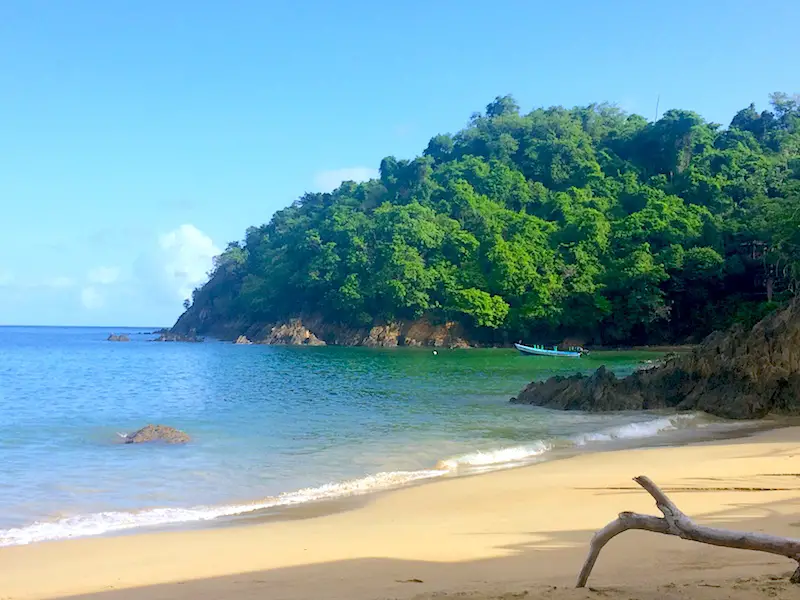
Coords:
138,138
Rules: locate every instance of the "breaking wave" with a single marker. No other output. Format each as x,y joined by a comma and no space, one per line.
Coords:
633,431
478,461
107,522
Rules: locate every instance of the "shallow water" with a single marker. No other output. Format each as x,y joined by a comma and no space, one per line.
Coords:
271,426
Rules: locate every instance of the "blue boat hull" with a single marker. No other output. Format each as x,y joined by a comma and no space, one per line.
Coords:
545,352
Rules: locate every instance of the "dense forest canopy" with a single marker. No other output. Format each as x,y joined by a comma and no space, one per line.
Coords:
585,221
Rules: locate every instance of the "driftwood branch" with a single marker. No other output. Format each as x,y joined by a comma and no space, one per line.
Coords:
674,522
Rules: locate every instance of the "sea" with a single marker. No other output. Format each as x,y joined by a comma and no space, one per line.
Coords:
272,427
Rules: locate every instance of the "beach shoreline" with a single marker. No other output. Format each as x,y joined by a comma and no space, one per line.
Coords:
656,429
505,531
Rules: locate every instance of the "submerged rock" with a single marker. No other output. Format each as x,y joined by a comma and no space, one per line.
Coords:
118,338
738,374
157,433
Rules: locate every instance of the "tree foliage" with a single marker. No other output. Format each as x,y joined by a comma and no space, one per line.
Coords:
583,221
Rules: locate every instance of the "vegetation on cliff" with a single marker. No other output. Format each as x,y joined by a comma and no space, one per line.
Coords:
585,221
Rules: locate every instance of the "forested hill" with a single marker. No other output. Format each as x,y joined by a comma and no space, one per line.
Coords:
582,222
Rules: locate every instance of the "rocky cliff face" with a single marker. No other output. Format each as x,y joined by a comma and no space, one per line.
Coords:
739,374
292,333
314,331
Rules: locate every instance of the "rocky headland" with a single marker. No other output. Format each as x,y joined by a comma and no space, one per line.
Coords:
738,374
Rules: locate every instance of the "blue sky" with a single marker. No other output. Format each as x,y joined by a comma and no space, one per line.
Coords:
138,138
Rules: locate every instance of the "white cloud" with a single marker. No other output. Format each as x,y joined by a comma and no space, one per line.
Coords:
186,256
327,181
103,275
60,282
91,298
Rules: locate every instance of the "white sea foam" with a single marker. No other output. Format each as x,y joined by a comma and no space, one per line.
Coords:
488,458
113,521
524,453
632,431
106,522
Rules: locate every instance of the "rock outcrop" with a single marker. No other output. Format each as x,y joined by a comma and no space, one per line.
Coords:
242,341
383,336
738,374
157,433
118,338
292,333
178,337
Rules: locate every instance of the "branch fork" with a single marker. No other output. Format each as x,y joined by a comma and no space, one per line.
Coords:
674,522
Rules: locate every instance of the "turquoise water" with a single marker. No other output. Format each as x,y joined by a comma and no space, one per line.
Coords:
271,426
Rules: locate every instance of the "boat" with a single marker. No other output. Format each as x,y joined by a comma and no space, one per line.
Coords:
554,351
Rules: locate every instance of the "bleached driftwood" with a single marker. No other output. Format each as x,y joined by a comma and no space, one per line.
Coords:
674,522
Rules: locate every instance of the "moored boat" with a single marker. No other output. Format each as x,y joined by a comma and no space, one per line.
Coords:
554,351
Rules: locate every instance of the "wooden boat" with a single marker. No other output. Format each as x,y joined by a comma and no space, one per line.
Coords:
554,351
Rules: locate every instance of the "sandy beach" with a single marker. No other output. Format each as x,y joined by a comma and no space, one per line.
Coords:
508,534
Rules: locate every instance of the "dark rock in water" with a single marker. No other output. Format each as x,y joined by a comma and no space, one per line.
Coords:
738,374
177,337
118,338
157,433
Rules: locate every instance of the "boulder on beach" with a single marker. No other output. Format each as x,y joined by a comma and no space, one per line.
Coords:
739,374
157,433
118,338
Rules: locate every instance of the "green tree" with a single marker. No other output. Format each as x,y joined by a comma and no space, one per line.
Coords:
557,221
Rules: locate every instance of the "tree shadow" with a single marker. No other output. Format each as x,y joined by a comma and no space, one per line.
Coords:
543,565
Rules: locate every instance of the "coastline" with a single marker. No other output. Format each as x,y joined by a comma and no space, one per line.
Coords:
505,531
649,429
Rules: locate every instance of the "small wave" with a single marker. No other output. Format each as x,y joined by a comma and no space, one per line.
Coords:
474,462
489,458
517,454
111,521
632,431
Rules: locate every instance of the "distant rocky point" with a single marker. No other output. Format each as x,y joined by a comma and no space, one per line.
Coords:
168,336
118,338
157,433
739,374
242,341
